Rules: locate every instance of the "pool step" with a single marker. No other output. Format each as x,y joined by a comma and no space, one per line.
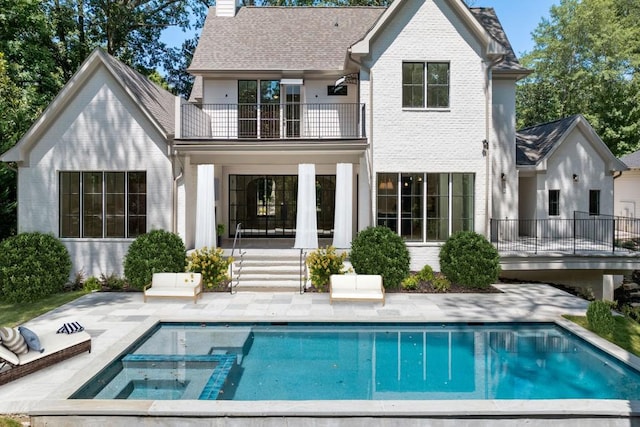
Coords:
267,270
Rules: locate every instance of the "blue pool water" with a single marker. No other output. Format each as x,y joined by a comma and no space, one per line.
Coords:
319,361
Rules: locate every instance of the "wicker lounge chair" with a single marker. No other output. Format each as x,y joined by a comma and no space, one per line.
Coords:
57,347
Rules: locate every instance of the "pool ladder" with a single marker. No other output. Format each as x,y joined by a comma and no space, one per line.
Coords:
237,241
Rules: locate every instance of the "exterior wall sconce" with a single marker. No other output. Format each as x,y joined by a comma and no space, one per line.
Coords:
503,181
576,178
485,147
503,177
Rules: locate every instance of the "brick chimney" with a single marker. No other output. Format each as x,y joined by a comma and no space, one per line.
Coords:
227,8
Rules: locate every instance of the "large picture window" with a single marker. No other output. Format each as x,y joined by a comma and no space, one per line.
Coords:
425,84
103,204
425,206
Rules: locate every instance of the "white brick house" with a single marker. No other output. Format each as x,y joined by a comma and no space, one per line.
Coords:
406,113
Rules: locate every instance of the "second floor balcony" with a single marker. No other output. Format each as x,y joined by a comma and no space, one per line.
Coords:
272,121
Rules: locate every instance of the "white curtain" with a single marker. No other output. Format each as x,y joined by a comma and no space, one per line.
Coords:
343,221
206,208
306,222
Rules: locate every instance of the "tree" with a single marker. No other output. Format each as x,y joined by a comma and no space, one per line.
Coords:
11,111
586,61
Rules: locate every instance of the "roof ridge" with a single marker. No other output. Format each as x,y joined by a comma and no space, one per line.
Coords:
537,125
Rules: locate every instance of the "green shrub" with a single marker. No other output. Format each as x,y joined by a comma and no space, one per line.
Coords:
322,264
32,266
211,263
91,284
440,283
158,251
378,250
600,318
426,274
467,258
410,283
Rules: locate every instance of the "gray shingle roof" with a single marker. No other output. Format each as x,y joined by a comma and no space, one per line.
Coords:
535,142
632,160
281,38
489,20
303,38
157,101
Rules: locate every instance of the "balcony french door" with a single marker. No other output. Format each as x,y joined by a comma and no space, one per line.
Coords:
259,109
265,205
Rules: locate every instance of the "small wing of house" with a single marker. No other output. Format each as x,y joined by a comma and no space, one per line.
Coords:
95,168
564,166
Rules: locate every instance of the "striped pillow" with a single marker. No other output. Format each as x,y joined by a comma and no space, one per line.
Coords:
69,328
12,339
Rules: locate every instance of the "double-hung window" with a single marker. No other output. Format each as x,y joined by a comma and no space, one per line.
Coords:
425,84
98,204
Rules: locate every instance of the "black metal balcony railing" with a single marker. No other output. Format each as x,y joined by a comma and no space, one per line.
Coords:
273,121
582,233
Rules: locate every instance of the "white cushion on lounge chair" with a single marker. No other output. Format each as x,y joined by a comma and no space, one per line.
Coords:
52,342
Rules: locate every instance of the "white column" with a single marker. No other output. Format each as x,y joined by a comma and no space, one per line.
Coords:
343,221
306,220
205,208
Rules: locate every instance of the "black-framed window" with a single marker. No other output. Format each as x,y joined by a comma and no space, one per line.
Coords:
426,206
425,84
98,204
554,202
594,202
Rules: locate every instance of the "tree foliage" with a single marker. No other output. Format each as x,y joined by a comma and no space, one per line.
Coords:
585,61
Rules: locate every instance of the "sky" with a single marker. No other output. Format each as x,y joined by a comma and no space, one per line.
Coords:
518,17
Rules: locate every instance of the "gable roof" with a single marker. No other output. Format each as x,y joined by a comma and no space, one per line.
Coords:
489,20
535,144
632,160
281,38
156,103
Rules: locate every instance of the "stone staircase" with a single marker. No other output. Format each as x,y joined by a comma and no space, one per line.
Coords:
268,270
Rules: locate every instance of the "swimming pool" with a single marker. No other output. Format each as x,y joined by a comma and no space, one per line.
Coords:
329,361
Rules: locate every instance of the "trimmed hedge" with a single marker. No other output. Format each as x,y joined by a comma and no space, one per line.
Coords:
32,266
468,258
158,251
378,250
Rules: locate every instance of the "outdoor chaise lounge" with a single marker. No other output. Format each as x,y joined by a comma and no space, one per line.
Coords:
57,347
356,287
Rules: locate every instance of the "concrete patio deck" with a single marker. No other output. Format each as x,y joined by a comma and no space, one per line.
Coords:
114,320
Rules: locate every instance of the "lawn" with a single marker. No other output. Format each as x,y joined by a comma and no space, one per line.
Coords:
626,333
16,314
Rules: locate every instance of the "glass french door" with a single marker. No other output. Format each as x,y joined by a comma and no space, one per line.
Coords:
259,109
265,205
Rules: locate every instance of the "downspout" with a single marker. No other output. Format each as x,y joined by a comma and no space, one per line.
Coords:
369,128
174,189
488,126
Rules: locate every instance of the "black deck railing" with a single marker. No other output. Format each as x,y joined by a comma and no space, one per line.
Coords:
582,233
273,121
